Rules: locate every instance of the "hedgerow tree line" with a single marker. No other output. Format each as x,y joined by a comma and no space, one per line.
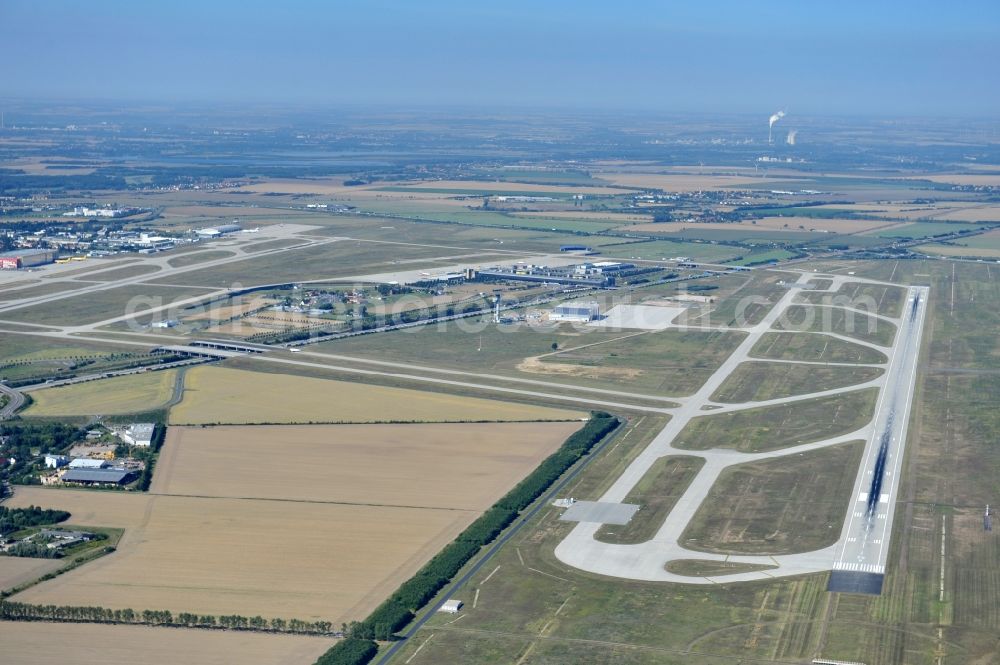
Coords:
400,608
13,611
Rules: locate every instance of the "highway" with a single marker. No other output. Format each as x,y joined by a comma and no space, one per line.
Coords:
15,400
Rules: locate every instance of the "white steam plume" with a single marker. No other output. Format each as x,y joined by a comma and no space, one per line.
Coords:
770,123
791,137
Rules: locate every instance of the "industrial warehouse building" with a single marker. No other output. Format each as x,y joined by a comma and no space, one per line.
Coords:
99,476
138,434
582,312
87,463
26,258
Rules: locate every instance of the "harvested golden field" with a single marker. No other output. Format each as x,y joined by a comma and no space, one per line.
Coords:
457,466
208,555
18,570
977,213
42,643
223,395
122,394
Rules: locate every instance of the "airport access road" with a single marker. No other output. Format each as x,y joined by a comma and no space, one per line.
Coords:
15,400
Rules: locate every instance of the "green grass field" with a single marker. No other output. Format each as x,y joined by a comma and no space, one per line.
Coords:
125,273
473,190
925,229
656,250
44,289
756,381
445,213
101,305
838,321
782,426
741,299
814,347
777,506
338,259
750,236
670,362
872,298
134,393
200,257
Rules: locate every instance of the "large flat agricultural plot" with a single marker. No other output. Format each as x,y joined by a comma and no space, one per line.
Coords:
19,570
222,395
312,523
41,643
122,394
248,556
456,466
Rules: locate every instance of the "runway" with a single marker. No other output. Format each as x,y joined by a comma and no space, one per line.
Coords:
864,544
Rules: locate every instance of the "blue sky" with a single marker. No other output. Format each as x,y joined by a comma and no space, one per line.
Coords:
889,57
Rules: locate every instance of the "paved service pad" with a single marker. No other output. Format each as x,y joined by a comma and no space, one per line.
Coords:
598,512
845,581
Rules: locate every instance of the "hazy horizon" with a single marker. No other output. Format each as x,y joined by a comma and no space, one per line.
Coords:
894,59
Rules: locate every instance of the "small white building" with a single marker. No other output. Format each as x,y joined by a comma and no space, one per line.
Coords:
87,463
138,434
451,606
55,461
